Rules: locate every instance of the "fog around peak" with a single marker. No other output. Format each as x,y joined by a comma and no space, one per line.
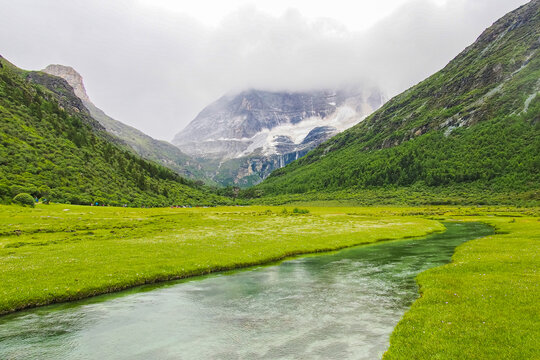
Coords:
156,69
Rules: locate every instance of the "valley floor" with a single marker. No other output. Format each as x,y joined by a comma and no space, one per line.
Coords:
55,253
482,305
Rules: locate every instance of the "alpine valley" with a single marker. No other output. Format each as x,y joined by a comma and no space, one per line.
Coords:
312,223
240,139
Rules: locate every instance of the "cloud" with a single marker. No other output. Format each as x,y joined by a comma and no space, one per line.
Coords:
156,70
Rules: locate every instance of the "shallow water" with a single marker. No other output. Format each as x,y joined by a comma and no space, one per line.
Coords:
341,305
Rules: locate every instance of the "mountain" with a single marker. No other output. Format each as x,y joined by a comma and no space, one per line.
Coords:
51,147
473,127
144,145
243,137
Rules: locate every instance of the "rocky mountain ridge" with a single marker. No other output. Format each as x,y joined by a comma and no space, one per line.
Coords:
144,145
272,122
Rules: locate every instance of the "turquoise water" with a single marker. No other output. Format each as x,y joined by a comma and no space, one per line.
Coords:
340,305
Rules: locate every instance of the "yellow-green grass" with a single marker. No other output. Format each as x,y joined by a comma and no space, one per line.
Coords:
483,305
58,253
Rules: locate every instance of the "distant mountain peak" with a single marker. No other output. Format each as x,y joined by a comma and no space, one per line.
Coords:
237,124
243,136
74,79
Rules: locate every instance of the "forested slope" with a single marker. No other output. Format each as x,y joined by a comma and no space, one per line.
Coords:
52,148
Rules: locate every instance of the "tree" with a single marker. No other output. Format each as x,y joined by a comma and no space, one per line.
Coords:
5,191
44,191
24,199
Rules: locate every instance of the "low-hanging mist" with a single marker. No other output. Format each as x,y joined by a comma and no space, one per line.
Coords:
156,70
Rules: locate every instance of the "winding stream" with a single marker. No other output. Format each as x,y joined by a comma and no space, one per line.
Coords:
341,305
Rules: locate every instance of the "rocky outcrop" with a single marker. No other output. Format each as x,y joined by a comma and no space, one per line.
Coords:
64,95
72,77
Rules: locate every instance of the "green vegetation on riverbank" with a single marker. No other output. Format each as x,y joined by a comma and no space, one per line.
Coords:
483,305
466,195
58,253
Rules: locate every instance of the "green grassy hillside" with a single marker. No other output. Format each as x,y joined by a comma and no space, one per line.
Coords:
52,148
475,125
149,148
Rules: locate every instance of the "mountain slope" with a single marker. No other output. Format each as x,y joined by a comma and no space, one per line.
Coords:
51,147
274,122
144,145
241,138
475,125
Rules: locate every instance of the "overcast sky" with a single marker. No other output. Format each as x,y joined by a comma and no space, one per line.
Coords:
154,64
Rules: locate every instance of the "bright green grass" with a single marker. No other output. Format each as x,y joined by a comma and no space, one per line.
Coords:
483,305
59,252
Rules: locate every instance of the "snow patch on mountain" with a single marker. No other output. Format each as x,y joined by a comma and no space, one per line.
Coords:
268,139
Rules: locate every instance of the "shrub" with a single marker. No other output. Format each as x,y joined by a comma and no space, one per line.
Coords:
24,199
5,194
80,199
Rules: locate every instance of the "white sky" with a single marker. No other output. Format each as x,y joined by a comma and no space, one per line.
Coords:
355,15
154,64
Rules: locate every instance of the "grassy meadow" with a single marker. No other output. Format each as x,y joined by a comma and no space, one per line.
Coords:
483,305
58,253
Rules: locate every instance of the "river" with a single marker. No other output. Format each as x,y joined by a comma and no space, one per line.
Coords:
340,305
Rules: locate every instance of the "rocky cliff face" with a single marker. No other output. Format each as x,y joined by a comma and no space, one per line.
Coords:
72,77
255,132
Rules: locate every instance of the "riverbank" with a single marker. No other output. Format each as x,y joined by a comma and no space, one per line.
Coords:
338,305
483,305
57,253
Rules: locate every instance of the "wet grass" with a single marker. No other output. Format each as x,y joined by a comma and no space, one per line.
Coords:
59,253
483,305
